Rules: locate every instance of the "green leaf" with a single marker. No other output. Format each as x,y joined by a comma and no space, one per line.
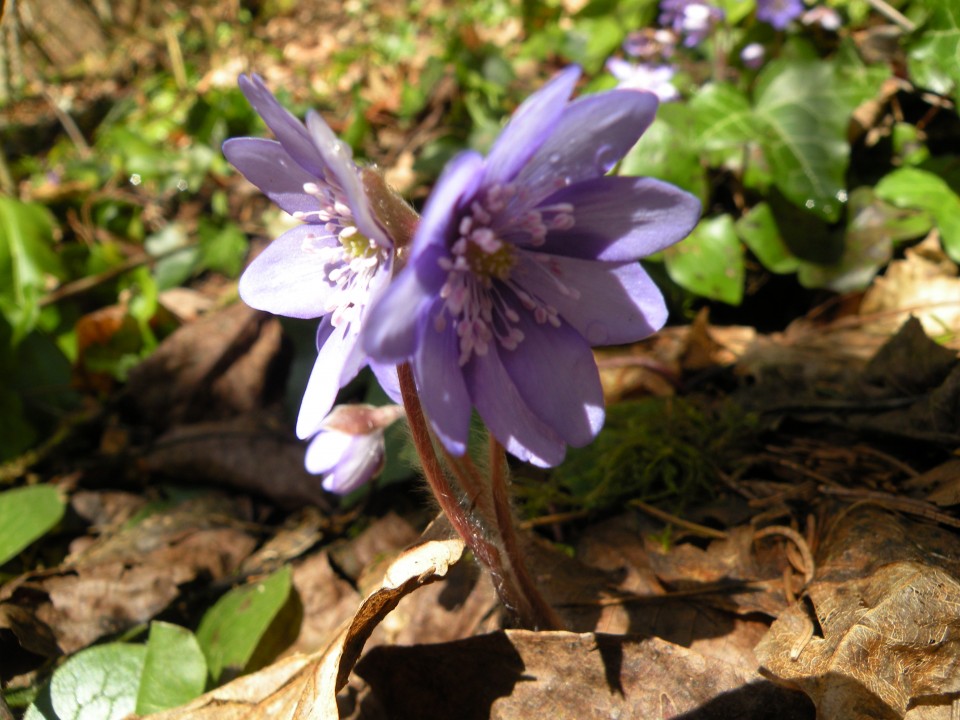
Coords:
759,232
27,514
174,671
867,246
803,109
26,260
231,630
668,151
915,188
99,683
222,249
723,117
710,261
934,58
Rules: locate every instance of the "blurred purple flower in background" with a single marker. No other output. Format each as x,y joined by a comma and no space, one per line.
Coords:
690,18
753,55
349,450
522,261
779,13
335,264
824,16
643,76
649,43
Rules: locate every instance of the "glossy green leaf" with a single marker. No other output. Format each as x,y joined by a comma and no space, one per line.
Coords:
174,671
759,232
915,188
27,514
934,56
231,630
802,110
668,151
99,683
710,261
723,117
867,246
27,259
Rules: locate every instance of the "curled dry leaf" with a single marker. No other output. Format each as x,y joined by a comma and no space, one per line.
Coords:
879,632
304,687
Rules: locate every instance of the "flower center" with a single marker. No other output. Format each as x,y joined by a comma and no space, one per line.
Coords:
350,265
482,294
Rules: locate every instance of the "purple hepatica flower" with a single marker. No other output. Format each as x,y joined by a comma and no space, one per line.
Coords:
332,266
349,450
690,18
642,76
753,55
779,13
523,261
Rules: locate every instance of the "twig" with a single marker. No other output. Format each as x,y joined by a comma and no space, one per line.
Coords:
920,508
798,540
892,14
692,527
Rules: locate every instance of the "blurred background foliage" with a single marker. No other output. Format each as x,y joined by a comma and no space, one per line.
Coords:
821,141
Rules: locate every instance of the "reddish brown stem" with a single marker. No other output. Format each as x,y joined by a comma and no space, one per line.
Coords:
543,617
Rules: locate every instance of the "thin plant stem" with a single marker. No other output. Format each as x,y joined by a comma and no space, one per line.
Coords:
545,618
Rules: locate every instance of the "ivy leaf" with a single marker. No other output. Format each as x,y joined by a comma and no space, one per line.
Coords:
709,262
915,188
934,58
723,117
803,109
668,151
27,514
759,232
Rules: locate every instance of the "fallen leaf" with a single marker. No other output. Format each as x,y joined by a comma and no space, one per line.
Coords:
878,632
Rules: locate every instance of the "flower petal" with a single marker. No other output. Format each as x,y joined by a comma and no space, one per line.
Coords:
286,280
442,388
386,374
456,187
338,159
614,304
555,373
359,463
621,218
335,348
591,136
326,450
268,166
531,124
391,328
289,131
507,415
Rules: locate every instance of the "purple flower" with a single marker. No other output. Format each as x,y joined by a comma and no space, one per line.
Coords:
332,266
690,18
349,450
642,76
525,259
779,13
753,55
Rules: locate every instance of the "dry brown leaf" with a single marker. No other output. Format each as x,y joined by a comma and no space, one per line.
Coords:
886,631
124,578
517,674
304,687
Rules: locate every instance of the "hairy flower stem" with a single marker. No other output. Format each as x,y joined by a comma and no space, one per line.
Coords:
469,522
547,618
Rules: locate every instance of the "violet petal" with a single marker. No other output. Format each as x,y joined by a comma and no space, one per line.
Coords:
590,137
556,375
530,125
507,415
442,388
286,280
324,383
268,166
622,218
617,303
